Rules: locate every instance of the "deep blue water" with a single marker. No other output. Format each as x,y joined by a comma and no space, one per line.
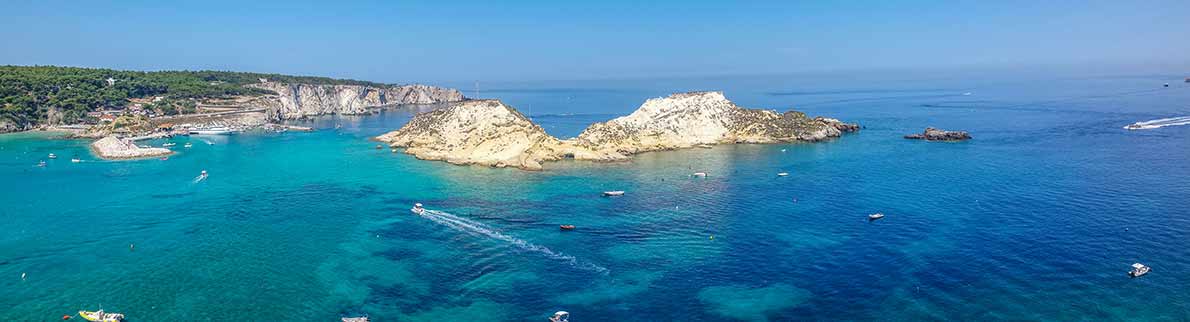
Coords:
1037,218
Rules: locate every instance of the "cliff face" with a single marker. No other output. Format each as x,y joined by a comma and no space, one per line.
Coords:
703,118
300,100
483,132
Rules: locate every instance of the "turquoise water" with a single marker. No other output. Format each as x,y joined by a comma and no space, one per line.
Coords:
1037,218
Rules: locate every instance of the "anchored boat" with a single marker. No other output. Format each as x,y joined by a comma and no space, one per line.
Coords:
1138,270
566,227
218,130
613,193
875,216
101,316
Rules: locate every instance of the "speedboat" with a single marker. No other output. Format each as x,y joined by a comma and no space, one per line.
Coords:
1138,270
566,227
875,216
101,316
169,144
700,174
782,174
52,156
417,209
187,145
613,193
1134,126
76,160
212,131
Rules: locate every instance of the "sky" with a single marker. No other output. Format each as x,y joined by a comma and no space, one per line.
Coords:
426,41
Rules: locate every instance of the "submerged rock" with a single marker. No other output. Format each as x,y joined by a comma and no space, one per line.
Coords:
299,100
704,118
932,134
114,148
483,132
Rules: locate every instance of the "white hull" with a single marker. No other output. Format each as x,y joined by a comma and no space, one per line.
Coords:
211,132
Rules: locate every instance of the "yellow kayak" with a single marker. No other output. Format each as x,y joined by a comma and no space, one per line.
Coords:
101,316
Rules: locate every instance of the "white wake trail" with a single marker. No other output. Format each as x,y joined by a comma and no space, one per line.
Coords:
479,229
1159,123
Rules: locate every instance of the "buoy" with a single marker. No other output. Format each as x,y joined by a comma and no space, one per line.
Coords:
66,316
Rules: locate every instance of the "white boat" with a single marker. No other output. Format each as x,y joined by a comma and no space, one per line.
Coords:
417,209
1138,270
356,319
782,174
187,145
613,193
52,156
41,163
560,316
101,316
169,144
700,174
875,216
219,130
76,160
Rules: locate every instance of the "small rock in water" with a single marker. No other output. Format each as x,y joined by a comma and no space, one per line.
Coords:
932,134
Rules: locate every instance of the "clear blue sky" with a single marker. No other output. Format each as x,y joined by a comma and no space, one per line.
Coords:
401,41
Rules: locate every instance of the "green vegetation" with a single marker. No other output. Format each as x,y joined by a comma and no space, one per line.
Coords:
27,93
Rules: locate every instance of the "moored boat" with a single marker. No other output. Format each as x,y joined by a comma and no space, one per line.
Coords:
168,144
875,216
52,156
1138,270
188,144
613,193
700,174
101,316
782,174
356,319
566,227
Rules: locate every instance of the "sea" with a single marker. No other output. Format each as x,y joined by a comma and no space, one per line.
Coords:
1038,217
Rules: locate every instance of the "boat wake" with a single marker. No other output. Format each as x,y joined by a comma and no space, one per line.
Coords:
1159,123
479,229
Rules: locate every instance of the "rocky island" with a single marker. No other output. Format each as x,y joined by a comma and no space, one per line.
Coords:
483,132
932,134
113,148
488,132
692,119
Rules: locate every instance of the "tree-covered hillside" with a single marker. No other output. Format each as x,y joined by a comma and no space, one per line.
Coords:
27,93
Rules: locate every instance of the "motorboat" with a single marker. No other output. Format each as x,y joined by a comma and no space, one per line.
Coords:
782,174
41,163
52,156
566,227
164,158
101,316
218,130
613,193
700,174
168,144
187,145
875,216
417,209
76,160
356,319
1138,270
560,316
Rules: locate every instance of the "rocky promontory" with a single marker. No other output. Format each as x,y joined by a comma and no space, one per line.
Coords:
300,100
483,132
932,134
488,132
704,118
114,148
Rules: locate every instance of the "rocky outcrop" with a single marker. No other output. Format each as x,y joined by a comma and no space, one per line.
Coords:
487,132
483,132
932,134
300,100
111,147
703,118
